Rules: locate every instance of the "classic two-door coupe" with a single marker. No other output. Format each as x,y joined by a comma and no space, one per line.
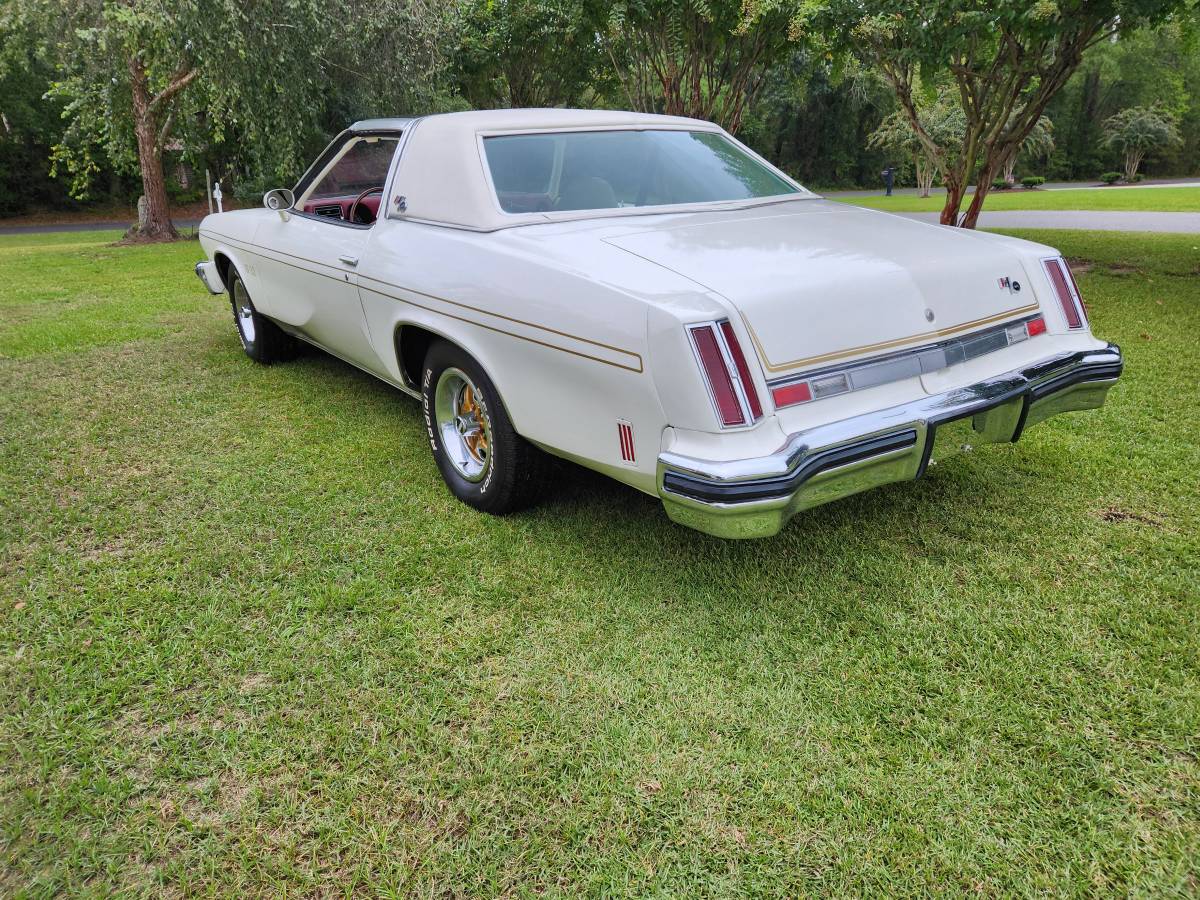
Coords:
646,296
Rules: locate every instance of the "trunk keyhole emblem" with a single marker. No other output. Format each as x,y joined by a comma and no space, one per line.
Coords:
928,315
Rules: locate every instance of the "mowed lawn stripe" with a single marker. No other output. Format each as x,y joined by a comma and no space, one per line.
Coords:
250,644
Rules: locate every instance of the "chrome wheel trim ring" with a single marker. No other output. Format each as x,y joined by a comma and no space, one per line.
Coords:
243,312
461,427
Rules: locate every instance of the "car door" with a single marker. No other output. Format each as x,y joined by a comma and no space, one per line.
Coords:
309,258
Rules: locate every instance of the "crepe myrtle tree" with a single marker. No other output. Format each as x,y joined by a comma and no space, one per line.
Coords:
1006,60
941,119
1040,144
1140,130
701,58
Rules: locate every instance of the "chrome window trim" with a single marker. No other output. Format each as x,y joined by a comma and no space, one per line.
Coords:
329,156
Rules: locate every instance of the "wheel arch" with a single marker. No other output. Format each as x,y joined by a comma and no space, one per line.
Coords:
224,263
412,340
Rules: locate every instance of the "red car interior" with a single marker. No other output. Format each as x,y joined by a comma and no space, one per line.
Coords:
339,207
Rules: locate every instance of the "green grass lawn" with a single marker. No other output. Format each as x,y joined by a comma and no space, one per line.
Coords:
250,645
1165,199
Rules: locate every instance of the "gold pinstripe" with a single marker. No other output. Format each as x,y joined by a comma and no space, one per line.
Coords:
250,248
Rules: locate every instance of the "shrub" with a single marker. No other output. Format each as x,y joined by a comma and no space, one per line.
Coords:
1110,177
1032,181
1000,185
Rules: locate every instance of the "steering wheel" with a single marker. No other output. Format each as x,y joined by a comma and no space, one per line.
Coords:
354,207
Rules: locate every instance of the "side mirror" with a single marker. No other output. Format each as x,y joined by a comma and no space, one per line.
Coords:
280,200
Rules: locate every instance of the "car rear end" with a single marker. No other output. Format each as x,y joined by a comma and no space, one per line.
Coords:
781,442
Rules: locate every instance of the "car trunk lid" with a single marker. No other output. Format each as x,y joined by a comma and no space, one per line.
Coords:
818,282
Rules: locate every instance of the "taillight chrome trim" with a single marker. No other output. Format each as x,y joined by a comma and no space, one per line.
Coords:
831,381
1066,291
736,367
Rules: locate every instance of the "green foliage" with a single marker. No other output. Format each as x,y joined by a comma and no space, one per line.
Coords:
528,53
1110,177
816,124
265,82
999,184
1006,60
700,58
941,121
1029,182
1155,67
1141,128
1138,131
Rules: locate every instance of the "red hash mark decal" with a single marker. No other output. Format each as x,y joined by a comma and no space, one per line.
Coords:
625,436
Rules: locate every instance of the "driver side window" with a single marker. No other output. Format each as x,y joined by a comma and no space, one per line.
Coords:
351,187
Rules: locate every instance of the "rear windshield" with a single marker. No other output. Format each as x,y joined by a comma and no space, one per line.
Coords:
582,170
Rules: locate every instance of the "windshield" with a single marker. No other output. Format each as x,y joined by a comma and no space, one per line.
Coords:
580,170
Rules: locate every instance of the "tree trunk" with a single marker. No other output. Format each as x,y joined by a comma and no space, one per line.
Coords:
925,170
982,185
1133,160
954,196
1009,165
156,225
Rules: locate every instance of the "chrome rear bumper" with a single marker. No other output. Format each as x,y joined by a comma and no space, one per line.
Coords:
754,497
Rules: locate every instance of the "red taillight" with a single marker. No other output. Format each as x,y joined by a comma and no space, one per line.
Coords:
743,370
791,394
719,379
1064,288
1036,326
728,373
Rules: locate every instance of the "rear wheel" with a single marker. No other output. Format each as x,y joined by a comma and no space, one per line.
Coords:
263,340
483,460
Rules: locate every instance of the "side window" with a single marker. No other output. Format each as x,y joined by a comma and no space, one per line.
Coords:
351,187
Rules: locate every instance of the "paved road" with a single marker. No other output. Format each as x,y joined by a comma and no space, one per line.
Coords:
1050,186
1092,220
1086,219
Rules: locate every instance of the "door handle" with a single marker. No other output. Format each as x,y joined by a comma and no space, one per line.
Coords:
349,260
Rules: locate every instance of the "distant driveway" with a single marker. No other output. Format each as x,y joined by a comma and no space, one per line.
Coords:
1088,220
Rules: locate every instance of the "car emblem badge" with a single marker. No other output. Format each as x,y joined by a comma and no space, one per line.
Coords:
1010,285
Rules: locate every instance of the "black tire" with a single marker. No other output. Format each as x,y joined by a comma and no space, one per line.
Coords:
512,469
263,340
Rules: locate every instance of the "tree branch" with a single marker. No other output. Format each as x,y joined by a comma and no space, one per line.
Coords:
183,76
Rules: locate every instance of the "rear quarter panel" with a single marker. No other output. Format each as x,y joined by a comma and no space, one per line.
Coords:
566,348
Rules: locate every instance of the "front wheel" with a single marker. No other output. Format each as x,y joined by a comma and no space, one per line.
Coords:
263,340
483,460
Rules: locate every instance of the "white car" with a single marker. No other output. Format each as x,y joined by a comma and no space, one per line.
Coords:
651,299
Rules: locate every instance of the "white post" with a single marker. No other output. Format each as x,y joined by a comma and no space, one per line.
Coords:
217,197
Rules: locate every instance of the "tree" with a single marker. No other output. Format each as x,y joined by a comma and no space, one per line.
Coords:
941,119
700,58
1006,58
1040,143
523,53
134,74
1137,131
